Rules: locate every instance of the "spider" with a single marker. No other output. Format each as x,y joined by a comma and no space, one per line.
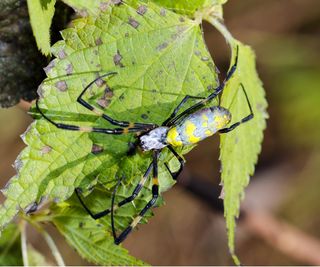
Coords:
189,127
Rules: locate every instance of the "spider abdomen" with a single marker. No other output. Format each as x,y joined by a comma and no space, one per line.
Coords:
198,126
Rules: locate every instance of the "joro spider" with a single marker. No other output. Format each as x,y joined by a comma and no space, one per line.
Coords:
189,127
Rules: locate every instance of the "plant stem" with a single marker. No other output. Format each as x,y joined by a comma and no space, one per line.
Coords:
221,28
25,259
54,250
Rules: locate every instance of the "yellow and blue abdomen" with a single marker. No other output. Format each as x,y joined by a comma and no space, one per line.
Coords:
198,126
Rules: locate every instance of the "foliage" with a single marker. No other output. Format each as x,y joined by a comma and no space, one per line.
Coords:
41,14
240,148
10,251
189,7
160,57
92,240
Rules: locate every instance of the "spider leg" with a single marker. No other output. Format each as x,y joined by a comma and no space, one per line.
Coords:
150,204
134,194
176,110
117,131
203,102
112,207
84,103
181,161
245,119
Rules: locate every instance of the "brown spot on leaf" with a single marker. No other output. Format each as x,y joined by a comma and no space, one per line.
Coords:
45,150
98,41
162,46
69,69
135,24
99,82
103,103
163,12
61,86
174,36
181,19
40,91
142,10
104,6
96,149
108,92
117,59
18,164
181,29
83,12
205,58
48,68
144,116
116,2
62,54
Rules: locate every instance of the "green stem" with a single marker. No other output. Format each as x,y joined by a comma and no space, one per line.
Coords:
54,249
24,250
221,28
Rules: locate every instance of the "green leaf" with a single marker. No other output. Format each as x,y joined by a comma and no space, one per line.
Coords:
10,248
41,13
159,60
239,149
189,7
85,7
91,239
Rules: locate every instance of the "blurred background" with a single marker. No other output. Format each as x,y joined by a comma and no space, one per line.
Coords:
282,203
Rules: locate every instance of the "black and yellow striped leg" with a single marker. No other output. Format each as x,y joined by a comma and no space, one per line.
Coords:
134,194
150,204
216,92
116,131
181,161
245,119
84,103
